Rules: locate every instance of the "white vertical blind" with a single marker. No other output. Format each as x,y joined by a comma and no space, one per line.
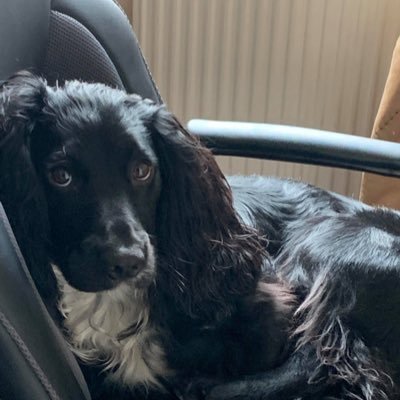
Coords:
313,63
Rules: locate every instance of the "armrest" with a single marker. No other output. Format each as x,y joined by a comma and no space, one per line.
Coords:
295,144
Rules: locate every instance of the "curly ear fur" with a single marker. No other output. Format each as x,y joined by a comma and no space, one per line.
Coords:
207,256
21,100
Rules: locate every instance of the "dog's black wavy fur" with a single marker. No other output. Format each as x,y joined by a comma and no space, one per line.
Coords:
218,302
342,257
103,228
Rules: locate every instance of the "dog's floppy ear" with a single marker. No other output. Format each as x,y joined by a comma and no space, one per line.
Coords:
22,98
207,255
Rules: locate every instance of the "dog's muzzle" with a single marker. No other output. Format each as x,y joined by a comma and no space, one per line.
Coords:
98,265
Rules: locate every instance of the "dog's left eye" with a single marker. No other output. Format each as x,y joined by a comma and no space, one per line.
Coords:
60,176
142,171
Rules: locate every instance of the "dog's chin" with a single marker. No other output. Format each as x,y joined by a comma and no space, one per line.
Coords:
100,283
92,286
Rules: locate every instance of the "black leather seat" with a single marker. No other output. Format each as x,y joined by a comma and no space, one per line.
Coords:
90,40
35,362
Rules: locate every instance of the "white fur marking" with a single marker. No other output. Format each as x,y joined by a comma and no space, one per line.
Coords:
94,322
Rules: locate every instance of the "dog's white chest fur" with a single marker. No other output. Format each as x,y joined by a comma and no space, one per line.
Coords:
96,323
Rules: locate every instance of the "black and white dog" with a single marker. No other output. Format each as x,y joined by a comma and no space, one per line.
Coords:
162,265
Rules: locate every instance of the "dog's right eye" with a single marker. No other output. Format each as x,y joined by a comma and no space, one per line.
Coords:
60,176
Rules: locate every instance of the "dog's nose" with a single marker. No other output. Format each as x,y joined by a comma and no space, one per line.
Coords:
126,263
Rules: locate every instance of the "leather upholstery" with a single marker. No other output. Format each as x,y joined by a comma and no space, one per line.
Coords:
376,189
23,34
25,44
108,23
74,52
35,361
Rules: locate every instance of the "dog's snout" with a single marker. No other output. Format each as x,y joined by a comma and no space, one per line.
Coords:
125,263
125,232
119,249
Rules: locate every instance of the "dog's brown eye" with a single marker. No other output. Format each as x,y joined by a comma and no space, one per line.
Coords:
142,171
60,176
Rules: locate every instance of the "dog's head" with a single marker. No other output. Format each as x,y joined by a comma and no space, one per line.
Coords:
97,171
115,177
